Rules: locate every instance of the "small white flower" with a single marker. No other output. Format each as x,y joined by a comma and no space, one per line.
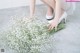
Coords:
27,35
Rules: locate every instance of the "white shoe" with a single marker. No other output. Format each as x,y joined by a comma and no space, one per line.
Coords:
63,17
49,17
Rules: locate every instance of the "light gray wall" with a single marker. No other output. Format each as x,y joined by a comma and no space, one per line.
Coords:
15,3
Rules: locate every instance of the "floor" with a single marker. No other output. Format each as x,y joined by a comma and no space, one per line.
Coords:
64,41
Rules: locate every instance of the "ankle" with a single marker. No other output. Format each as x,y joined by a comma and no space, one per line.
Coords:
49,13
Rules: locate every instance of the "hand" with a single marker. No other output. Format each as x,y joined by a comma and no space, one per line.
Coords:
53,24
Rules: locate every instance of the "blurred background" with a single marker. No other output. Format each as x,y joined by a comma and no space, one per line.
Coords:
15,3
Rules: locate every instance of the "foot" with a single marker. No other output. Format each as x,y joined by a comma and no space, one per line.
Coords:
64,15
49,14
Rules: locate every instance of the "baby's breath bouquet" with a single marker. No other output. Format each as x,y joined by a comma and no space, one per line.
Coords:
27,35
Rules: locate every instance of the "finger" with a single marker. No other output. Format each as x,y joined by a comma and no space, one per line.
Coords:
50,27
55,28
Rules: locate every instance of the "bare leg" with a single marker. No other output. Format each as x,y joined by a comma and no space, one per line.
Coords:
49,11
58,9
32,7
49,3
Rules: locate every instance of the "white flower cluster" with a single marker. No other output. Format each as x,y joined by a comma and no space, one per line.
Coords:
26,36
